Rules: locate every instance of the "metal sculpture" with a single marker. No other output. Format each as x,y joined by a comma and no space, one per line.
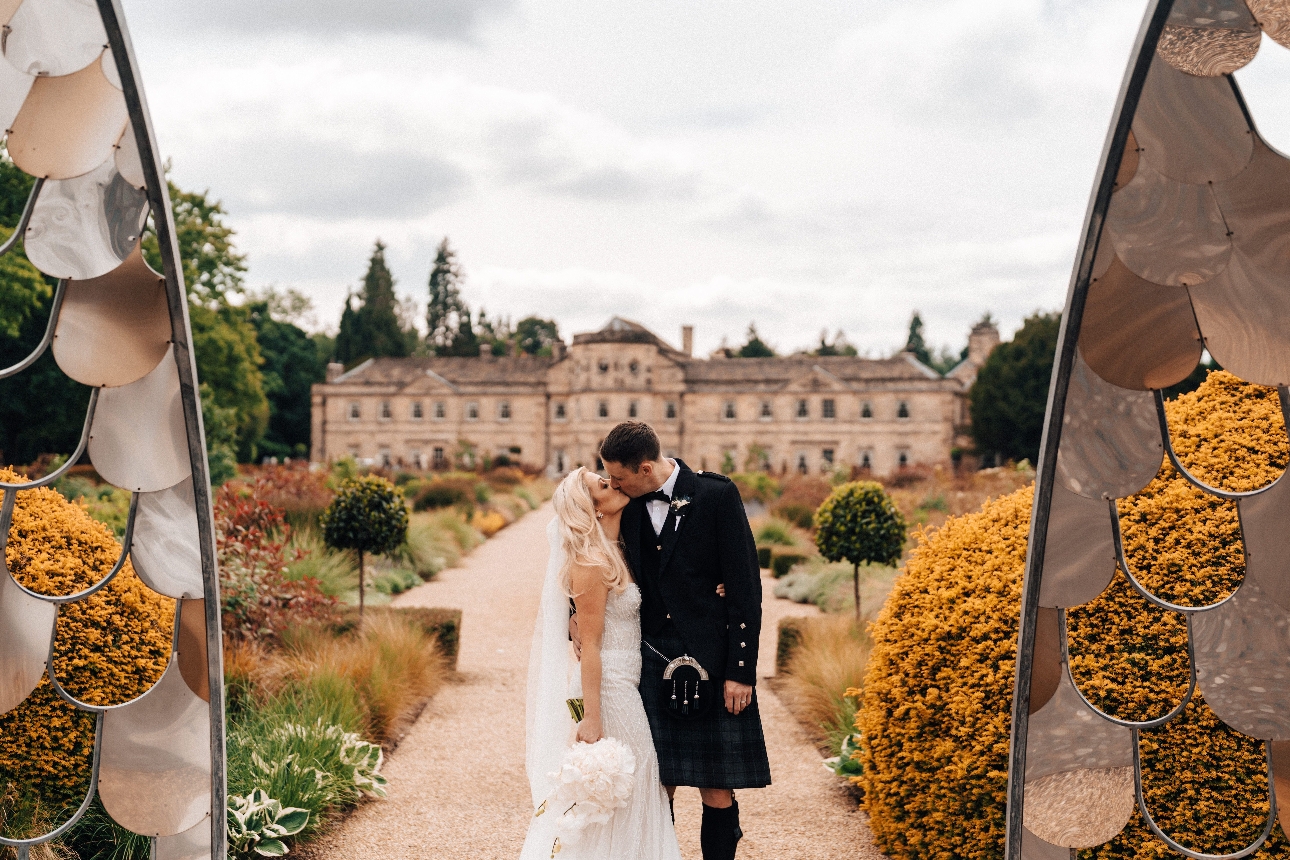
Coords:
1186,247
72,103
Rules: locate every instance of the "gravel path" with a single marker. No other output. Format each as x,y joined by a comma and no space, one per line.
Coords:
457,785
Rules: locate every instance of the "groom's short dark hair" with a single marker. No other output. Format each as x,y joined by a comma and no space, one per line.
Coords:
630,443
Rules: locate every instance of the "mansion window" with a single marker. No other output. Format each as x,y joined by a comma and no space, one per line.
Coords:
803,409
417,412
560,413
437,459
671,409
559,461
866,410
902,410
603,366
828,408
504,411
766,410
355,410
866,461
385,457
472,411
386,413
631,407
417,459
440,409
603,409
826,459
634,367
801,464
729,411
903,459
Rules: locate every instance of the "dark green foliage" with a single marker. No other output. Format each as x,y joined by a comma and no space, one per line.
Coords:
368,516
763,557
24,292
754,347
15,187
860,524
537,336
228,362
220,424
213,268
369,325
942,361
448,328
441,495
782,562
839,346
1010,394
790,636
291,367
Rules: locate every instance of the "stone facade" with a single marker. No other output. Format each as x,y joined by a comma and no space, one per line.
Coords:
798,413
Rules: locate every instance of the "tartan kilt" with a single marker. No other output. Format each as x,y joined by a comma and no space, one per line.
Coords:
717,750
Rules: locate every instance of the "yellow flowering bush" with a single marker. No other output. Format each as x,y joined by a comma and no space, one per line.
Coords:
938,692
111,647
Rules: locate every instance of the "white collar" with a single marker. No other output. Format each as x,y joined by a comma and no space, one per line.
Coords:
669,486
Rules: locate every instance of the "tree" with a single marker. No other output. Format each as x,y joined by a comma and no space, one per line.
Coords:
537,336
839,346
41,409
859,523
369,325
447,317
368,515
224,340
292,365
1010,395
915,343
755,347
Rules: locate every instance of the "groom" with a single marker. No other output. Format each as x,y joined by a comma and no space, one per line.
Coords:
686,533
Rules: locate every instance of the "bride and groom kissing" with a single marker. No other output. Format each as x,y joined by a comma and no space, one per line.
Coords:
647,635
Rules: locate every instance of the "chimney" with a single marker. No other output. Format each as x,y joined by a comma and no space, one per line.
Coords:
334,370
557,350
687,339
982,341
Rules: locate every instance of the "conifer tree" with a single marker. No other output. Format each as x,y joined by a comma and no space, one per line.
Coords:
369,325
915,343
448,328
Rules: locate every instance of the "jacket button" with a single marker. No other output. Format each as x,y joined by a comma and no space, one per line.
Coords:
743,644
669,616
742,626
659,547
741,662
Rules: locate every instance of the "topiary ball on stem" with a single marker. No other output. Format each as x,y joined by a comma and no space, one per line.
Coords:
368,515
937,700
859,523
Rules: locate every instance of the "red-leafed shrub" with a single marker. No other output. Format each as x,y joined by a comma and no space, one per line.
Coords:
257,597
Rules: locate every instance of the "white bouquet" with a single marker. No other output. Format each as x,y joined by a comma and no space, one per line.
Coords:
592,782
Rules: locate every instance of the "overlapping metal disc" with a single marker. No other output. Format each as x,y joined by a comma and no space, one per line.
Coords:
1193,254
64,113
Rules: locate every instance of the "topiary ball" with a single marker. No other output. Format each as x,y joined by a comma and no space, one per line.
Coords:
937,700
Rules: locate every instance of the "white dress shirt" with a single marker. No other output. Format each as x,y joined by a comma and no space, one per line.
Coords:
657,508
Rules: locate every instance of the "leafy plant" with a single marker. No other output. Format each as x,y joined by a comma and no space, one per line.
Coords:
257,825
845,763
859,523
368,515
775,532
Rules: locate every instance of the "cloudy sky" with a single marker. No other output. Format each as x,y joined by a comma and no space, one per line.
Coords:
802,165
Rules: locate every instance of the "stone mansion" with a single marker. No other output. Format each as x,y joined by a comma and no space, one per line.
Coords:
797,413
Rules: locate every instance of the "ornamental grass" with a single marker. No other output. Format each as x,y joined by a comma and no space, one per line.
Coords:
111,647
828,661
937,696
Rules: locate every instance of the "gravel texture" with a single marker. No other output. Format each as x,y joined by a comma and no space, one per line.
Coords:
457,784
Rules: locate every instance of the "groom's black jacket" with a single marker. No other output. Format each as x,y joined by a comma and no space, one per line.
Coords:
713,544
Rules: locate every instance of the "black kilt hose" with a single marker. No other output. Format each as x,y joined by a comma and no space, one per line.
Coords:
716,750
705,541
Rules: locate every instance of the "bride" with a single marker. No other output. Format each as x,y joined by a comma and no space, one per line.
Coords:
587,565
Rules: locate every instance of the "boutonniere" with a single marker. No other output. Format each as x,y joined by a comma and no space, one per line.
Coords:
678,504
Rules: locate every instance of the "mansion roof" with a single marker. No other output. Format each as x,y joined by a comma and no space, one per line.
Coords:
417,374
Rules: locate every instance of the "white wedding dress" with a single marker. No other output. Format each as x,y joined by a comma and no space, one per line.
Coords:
643,829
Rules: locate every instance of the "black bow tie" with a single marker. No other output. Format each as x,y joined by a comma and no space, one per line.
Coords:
657,496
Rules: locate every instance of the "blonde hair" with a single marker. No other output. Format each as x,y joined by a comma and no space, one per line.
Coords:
583,540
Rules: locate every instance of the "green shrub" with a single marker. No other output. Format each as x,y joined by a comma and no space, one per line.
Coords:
782,562
937,699
335,572
438,495
368,516
858,523
800,515
395,581
763,557
775,533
